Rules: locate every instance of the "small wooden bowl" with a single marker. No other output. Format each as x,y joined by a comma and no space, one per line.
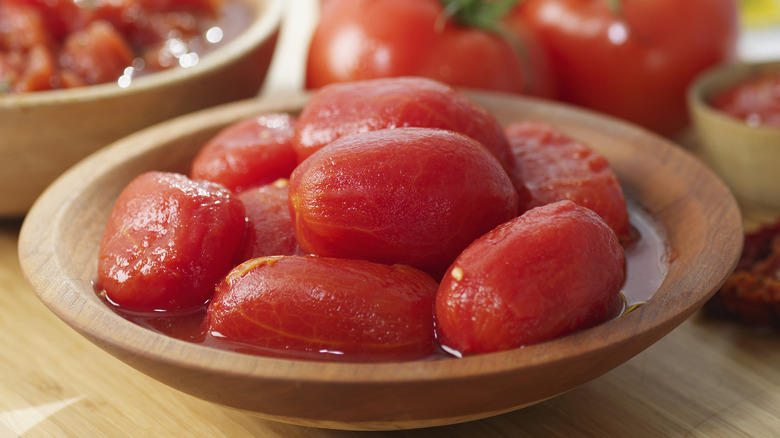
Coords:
44,133
745,157
60,237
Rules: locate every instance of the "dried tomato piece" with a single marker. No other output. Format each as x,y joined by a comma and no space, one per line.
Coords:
752,293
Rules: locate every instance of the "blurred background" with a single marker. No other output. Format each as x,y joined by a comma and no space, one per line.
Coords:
760,29
760,40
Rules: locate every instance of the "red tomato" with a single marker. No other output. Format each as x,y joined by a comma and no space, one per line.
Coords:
168,242
61,16
270,231
756,101
368,39
354,309
415,196
348,108
636,60
209,7
248,153
550,167
47,44
551,271
95,55
27,60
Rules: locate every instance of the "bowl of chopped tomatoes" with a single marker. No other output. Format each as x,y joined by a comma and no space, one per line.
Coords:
736,116
381,255
75,76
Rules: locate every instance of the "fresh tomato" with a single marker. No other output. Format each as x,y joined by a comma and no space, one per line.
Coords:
368,39
632,58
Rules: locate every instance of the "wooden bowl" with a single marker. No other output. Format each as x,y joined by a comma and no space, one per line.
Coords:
58,252
44,133
745,157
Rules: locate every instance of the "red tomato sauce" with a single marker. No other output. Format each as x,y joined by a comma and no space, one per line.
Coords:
59,44
646,267
756,101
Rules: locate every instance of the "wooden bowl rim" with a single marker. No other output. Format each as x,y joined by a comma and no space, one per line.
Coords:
49,212
719,79
260,29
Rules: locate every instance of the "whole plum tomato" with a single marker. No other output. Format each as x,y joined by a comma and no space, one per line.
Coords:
551,166
249,153
415,196
349,108
632,59
461,45
169,240
270,230
551,271
304,304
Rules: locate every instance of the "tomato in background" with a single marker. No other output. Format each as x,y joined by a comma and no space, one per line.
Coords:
632,58
369,39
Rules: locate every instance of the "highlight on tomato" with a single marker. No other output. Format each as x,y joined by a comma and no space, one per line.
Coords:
632,59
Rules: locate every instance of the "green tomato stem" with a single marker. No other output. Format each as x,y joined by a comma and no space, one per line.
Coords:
615,6
483,14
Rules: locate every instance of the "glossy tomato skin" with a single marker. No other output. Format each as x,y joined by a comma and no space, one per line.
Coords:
415,196
550,166
169,240
305,304
551,271
349,108
270,230
635,62
368,39
249,153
